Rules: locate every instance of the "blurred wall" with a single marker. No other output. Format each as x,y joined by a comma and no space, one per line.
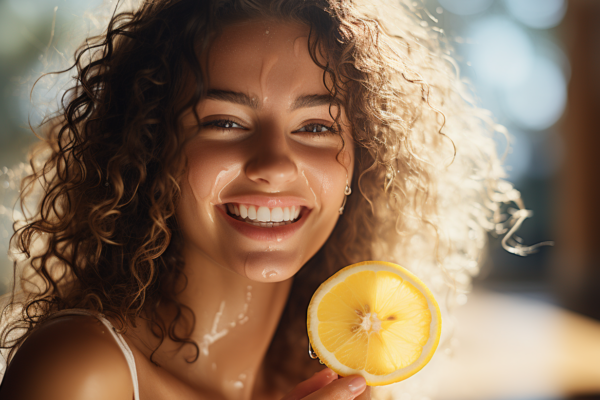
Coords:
576,270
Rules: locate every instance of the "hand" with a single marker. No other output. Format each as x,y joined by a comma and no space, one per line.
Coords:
327,385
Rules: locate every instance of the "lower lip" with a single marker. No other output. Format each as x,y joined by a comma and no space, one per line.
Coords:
274,234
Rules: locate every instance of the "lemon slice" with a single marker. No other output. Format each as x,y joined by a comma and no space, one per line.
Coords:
374,319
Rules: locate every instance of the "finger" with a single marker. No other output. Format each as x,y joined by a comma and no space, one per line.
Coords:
366,395
312,384
347,388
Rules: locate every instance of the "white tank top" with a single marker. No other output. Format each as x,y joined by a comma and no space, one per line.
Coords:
118,338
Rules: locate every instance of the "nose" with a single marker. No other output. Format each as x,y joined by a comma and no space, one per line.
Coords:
272,162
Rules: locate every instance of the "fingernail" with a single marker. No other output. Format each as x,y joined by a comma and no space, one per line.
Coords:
357,384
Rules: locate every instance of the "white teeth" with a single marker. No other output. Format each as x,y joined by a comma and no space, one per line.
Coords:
252,212
263,214
276,214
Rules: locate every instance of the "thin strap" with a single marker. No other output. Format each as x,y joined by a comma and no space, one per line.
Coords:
119,339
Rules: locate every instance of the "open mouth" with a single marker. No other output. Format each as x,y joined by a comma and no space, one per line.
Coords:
264,217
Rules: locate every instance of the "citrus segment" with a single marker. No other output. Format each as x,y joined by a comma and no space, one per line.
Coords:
375,319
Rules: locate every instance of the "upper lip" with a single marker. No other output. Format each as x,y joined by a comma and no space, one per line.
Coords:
268,201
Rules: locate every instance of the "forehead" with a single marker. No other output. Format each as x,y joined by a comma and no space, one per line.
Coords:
263,53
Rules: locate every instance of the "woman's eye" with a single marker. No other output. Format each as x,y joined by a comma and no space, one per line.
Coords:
317,128
222,124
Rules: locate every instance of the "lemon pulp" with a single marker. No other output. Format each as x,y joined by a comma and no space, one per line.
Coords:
375,319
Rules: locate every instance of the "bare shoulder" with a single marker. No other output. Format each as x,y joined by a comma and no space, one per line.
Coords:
72,357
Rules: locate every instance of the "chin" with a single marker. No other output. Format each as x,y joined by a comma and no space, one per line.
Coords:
272,266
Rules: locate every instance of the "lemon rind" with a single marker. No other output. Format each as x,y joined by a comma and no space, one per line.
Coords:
329,358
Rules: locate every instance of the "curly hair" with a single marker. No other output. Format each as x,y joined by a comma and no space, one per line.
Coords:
103,234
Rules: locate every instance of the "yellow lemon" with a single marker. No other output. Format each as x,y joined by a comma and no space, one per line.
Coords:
374,319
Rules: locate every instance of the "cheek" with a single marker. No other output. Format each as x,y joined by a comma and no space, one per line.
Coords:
210,169
327,177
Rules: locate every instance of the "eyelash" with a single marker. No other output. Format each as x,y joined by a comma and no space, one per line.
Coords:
217,122
330,129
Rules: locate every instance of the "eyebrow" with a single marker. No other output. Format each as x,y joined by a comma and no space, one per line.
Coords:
309,100
313,100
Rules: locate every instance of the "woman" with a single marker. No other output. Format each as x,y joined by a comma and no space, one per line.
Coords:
213,163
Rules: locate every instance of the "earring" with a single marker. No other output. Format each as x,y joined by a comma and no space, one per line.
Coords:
347,192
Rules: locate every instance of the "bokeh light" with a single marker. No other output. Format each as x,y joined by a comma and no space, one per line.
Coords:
539,101
540,14
501,53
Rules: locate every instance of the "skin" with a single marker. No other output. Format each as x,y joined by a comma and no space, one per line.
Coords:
237,286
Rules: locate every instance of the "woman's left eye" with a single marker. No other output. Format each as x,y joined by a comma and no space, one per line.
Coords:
317,128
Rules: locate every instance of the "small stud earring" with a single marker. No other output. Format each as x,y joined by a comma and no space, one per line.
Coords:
347,192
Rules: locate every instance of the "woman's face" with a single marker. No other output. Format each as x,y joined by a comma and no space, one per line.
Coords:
264,181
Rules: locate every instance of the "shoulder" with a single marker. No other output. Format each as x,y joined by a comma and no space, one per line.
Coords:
72,357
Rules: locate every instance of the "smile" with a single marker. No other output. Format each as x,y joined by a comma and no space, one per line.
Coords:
264,217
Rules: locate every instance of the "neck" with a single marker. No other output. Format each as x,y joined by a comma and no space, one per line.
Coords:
235,322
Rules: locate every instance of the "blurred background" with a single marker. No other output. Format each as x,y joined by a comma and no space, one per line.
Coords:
530,328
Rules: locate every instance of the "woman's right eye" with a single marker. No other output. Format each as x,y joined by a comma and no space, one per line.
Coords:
224,124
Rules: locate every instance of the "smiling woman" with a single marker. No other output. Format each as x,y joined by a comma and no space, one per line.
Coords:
267,144
213,163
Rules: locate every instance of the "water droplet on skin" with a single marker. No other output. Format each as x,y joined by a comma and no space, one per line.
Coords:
269,274
221,174
214,366
210,213
238,385
214,335
308,184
